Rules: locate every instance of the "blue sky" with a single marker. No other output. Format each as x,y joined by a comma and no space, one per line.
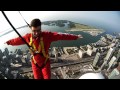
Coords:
111,18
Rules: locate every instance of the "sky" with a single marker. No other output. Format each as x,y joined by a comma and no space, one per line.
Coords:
108,17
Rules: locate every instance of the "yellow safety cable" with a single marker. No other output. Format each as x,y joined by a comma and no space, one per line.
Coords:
31,44
43,50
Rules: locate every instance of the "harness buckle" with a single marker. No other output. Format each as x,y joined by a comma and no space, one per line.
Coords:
36,52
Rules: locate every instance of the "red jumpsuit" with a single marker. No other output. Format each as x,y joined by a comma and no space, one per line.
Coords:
48,37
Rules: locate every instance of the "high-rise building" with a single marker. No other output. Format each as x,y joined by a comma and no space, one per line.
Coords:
113,59
89,51
1,54
109,53
81,53
96,59
118,56
6,52
108,56
114,73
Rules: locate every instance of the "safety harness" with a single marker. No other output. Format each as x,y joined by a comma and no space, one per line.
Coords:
40,47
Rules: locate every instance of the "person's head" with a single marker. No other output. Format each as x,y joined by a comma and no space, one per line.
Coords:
36,27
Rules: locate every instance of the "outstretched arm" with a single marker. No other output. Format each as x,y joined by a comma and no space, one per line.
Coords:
64,36
16,41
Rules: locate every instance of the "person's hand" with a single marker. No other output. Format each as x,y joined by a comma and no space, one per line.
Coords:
80,36
7,43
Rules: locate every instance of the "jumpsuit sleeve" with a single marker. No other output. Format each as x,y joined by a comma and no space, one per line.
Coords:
62,36
17,41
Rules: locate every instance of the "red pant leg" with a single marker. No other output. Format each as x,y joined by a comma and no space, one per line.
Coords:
37,71
46,71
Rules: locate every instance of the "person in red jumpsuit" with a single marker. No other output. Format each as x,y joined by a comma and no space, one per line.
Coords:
41,70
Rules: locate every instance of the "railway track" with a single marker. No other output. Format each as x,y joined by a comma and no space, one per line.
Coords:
84,61
73,63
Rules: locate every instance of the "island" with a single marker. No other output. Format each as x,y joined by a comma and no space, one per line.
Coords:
72,27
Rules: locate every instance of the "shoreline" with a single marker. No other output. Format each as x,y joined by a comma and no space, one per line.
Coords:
93,32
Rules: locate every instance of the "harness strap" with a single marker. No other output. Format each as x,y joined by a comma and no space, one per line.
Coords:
41,47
